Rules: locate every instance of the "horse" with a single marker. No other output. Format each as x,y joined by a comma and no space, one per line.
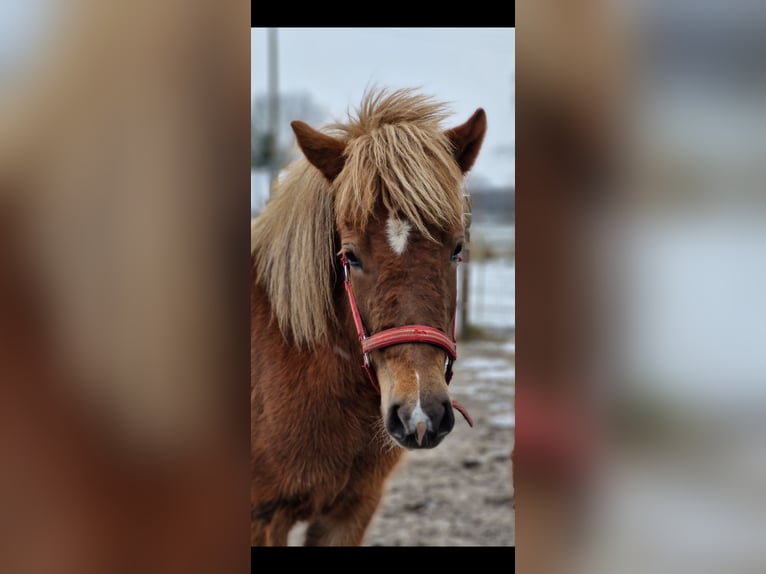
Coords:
354,260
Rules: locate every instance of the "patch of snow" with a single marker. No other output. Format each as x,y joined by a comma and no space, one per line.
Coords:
500,406
482,363
499,375
505,421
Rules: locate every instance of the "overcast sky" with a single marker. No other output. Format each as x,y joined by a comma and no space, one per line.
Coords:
467,67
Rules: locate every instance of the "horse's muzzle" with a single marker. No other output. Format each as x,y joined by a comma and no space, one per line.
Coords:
422,427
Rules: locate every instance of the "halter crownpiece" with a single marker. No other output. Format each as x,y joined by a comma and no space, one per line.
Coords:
399,335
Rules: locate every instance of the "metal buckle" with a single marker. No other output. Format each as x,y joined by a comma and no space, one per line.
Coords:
448,370
344,261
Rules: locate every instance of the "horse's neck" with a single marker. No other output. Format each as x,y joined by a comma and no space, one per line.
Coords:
344,340
346,336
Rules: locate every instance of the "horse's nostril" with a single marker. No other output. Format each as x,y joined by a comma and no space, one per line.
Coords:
394,424
447,421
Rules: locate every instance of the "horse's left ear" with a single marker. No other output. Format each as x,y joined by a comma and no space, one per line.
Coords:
466,139
323,151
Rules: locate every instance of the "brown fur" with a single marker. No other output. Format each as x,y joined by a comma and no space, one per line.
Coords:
319,448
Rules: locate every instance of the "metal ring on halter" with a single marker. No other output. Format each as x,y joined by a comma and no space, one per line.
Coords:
367,360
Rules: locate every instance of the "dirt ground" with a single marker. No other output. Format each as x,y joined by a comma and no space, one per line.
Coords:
460,493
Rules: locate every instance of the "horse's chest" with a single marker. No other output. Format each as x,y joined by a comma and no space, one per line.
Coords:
339,457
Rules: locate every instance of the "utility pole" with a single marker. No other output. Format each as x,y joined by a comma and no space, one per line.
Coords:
273,138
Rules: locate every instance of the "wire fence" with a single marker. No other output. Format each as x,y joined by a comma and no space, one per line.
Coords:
492,277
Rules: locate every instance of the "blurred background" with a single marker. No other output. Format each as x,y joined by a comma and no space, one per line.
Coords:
460,493
123,286
641,388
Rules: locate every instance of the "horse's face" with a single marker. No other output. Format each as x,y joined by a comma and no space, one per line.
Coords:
401,278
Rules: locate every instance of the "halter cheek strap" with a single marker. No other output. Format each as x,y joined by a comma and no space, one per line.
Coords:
400,335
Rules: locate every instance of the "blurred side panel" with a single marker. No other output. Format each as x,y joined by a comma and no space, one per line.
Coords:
568,98
123,286
640,394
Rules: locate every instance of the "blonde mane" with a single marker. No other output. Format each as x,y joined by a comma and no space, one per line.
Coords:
396,152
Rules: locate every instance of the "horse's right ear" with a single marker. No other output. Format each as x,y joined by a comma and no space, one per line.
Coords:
324,152
467,138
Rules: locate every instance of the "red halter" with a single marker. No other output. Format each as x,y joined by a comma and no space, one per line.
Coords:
398,336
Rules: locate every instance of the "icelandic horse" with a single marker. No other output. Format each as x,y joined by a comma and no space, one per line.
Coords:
354,260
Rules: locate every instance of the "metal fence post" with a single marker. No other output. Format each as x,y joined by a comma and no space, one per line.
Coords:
465,277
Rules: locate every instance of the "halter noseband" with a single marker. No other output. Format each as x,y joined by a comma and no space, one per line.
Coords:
400,335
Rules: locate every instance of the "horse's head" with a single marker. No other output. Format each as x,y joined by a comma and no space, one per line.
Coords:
398,205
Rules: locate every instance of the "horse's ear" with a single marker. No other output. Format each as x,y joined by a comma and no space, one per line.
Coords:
466,139
324,152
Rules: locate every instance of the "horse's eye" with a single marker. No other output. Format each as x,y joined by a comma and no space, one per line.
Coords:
352,259
457,252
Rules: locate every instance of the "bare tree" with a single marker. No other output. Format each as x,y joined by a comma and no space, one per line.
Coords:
264,147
